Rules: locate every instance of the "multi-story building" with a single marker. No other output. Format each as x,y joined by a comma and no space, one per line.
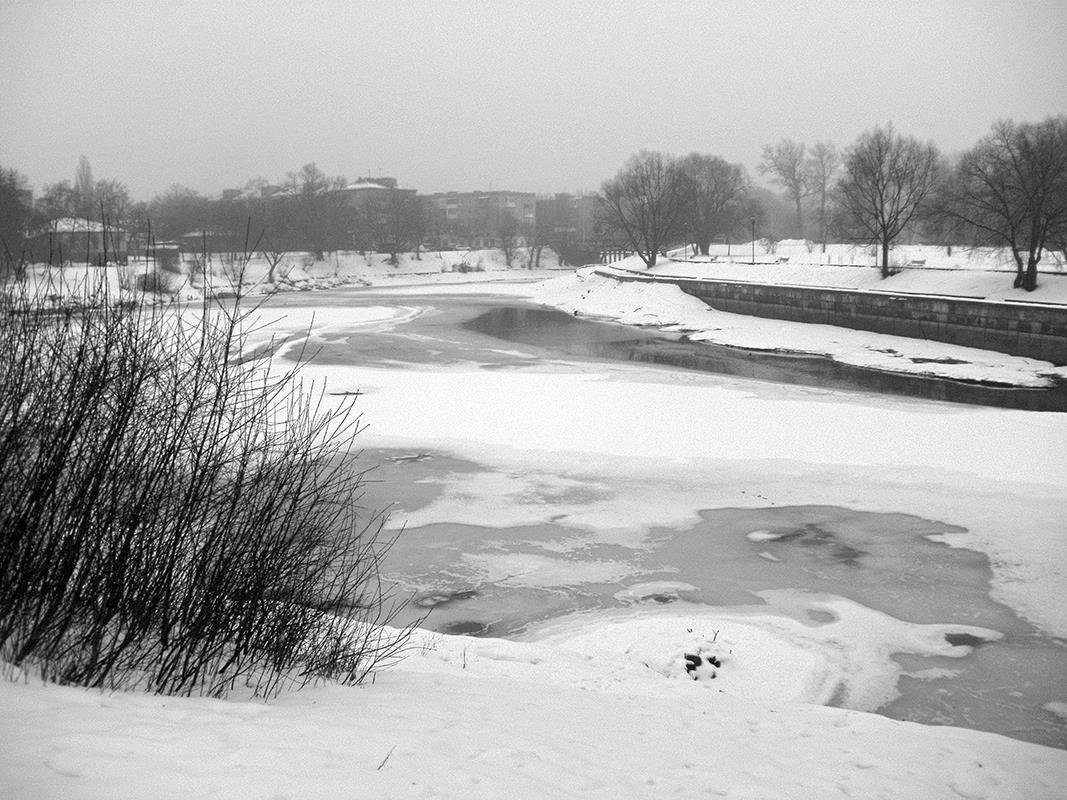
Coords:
381,212
481,219
568,224
568,217
373,194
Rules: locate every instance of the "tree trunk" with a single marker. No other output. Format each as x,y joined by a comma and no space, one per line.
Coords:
822,220
649,258
1030,278
885,258
705,248
1018,282
800,219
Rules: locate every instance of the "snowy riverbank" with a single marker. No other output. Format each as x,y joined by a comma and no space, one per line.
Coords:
667,307
469,718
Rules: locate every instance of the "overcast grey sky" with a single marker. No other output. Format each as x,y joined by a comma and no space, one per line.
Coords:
537,95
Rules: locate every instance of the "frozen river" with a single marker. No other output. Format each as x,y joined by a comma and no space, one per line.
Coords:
539,476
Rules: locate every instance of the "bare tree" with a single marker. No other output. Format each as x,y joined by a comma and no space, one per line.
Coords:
537,237
400,223
1011,190
789,168
938,225
57,200
17,218
822,167
316,211
717,187
646,203
507,232
273,259
85,201
308,181
178,211
418,223
887,177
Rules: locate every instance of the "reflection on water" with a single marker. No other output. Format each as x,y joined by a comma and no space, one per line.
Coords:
556,330
488,581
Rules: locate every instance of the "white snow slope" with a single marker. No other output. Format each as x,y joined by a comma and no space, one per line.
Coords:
468,718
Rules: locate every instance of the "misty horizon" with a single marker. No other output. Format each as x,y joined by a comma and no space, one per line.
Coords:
463,97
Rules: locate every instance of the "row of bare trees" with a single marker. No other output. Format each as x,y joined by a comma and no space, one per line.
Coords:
803,172
1009,190
306,211
656,201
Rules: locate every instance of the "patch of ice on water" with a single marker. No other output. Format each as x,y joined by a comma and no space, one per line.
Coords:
1057,708
653,591
771,651
933,674
762,536
537,571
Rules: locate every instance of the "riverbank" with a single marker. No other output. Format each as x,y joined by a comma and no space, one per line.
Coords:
665,306
469,718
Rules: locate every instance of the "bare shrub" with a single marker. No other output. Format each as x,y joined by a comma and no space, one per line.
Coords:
159,281
177,513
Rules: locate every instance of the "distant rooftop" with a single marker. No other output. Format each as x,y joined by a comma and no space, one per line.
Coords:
77,225
364,184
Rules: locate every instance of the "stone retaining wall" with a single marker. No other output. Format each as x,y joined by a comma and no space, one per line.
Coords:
1020,329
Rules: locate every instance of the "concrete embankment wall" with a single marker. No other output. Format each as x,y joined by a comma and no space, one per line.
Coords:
1030,330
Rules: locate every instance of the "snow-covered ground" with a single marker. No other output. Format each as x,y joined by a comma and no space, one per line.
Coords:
968,284
600,705
296,272
805,252
469,718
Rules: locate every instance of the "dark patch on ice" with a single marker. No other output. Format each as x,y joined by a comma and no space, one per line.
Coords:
466,628
945,360
965,639
661,598
820,616
440,598
410,459
813,535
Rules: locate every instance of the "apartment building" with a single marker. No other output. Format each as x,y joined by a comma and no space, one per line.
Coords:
480,219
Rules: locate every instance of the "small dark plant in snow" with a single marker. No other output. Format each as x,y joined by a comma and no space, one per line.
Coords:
160,282
177,513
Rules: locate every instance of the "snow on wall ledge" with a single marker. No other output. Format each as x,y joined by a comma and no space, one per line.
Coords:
1032,331
591,292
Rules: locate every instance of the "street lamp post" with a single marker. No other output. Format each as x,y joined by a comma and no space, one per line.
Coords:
752,220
